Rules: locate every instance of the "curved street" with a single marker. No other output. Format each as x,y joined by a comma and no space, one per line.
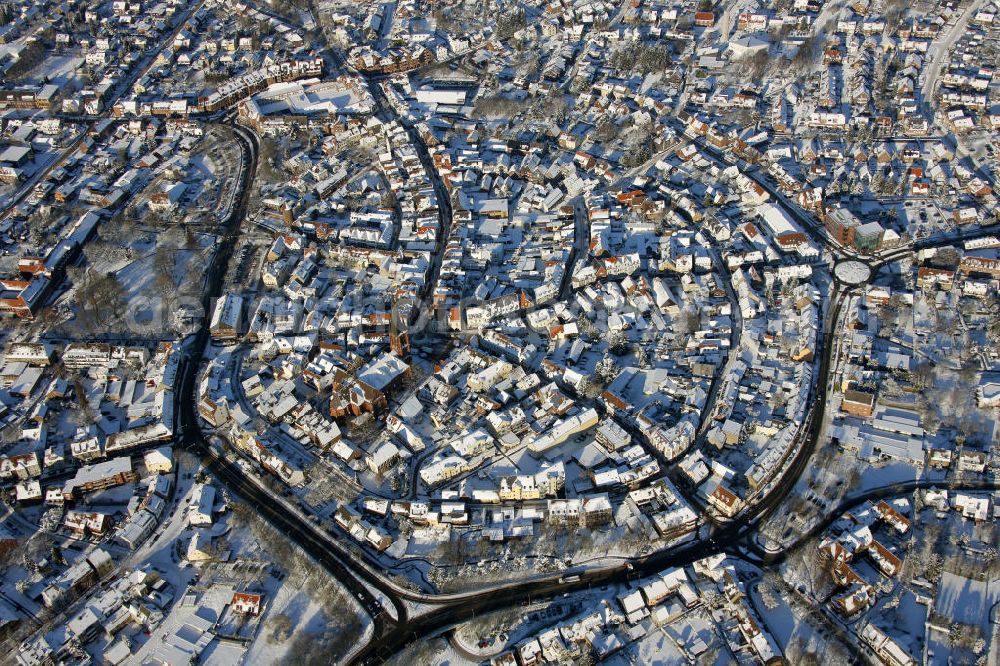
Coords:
394,630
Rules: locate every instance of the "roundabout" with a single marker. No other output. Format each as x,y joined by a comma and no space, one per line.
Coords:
852,272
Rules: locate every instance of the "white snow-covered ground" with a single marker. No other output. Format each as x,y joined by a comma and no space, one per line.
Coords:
967,601
307,600
656,647
307,616
900,616
777,614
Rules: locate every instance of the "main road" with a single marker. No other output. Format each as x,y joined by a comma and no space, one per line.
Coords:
319,546
360,573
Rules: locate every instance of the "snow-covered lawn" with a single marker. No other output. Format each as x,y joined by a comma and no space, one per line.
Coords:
309,617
